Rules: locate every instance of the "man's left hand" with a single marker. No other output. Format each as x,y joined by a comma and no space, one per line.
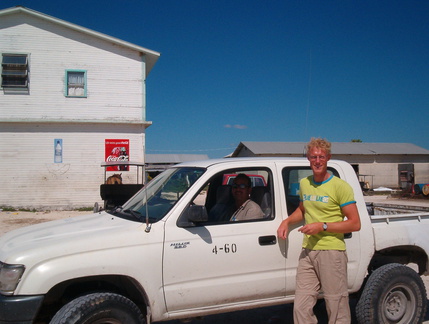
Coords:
311,229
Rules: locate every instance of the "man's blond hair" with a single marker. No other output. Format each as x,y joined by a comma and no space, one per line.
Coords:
319,143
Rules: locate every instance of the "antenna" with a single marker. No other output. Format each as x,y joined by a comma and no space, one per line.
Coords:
309,93
148,226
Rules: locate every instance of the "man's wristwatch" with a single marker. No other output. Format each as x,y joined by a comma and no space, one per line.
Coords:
325,226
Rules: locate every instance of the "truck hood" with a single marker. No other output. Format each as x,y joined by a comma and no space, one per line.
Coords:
80,234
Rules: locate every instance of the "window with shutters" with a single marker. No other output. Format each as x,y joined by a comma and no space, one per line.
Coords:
14,73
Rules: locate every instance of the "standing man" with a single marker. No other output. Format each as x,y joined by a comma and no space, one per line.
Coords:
329,210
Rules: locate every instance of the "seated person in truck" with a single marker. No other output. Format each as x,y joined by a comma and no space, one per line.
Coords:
245,208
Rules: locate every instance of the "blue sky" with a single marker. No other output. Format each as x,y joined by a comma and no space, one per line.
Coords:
246,70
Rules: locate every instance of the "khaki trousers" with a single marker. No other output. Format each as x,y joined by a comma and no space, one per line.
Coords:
324,271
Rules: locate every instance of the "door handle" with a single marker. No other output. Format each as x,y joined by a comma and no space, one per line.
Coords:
267,240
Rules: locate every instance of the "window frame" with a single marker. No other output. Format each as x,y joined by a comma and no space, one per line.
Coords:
66,83
25,76
215,181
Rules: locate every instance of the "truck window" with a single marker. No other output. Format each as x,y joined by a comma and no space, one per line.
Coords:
291,179
157,198
216,195
256,179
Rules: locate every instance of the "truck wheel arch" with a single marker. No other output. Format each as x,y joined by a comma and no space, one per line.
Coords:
403,255
99,308
66,291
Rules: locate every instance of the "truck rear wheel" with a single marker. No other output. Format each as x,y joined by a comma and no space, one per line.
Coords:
99,308
394,293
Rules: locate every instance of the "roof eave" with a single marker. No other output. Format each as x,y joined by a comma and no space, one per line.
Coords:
152,56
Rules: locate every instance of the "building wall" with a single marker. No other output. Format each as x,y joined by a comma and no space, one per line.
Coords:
114,74
114,109
31,179
384,174
421,172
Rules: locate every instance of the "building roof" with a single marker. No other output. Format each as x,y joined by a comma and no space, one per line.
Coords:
160,162
174,158
151,56
298,148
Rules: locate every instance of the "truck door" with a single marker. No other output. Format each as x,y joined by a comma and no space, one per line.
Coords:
221,262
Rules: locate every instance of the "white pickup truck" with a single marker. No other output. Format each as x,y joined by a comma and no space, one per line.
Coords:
171,252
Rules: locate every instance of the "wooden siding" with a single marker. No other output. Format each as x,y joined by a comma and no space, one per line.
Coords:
113,109
114,74
31,179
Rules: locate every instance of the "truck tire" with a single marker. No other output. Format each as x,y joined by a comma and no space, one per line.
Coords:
99,308
394,293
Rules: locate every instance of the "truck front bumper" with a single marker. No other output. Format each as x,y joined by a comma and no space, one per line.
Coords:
19,309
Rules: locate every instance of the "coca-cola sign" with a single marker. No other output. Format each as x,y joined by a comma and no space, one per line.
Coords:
117,158
117,150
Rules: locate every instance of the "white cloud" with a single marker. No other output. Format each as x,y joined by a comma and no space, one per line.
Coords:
235,126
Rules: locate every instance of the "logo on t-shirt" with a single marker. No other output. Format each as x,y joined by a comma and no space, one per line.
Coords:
316,198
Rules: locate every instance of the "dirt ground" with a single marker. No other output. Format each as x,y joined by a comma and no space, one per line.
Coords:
10,220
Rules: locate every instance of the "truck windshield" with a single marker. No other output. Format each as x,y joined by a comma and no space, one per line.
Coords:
161,193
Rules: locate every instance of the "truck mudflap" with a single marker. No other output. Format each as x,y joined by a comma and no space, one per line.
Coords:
19,309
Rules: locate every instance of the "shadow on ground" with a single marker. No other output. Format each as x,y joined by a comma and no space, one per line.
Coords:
281,314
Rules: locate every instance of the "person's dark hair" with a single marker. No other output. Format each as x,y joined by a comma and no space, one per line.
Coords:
244,177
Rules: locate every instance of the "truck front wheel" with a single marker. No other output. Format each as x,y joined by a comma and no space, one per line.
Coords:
99,308
394,293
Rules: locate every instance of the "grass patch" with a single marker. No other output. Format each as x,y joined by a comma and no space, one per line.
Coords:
85,209
33,210
12,209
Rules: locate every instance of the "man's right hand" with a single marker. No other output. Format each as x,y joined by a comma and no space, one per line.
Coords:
296,217
283,230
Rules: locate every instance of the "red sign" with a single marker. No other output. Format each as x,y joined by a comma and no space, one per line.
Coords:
117,150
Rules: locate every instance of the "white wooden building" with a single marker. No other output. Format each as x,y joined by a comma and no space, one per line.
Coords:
68,88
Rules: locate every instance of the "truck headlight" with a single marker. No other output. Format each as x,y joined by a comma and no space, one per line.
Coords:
10,275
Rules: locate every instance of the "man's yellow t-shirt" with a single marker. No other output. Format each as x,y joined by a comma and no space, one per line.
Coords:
322,203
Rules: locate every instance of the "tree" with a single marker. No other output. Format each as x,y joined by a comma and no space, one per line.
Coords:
356,141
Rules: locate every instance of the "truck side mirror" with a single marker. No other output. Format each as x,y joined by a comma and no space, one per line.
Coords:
192,215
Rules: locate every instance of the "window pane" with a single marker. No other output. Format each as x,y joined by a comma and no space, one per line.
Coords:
14,71
217,196
76,83
14,59
14,82
76,78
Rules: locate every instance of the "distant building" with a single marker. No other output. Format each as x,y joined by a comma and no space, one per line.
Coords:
156,163
392,165
70,98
